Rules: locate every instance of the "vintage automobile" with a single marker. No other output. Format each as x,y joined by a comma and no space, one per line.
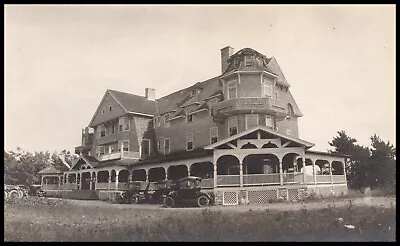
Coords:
187,192
33,189
136,192
23,190
12,191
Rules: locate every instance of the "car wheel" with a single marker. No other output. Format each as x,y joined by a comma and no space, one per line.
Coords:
135,200
14,194
169,202
203,201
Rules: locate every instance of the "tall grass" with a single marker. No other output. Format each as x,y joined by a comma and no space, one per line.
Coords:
63,221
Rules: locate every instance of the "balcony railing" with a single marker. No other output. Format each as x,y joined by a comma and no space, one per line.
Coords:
51,187
119,155
256,104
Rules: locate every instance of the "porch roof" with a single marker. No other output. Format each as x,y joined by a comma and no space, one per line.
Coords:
325,153
261,128
50,170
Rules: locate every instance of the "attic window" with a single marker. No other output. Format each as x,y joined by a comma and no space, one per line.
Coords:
102,111
110,108
249,61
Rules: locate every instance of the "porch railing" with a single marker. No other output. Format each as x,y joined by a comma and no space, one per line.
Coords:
207,183
51,187
102,186
228,180
323,179
70,186
122,186
259,179
338,179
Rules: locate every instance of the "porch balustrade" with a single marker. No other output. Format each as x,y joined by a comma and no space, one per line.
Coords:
207,183
339,179
51,187
102,186
259,179
70,186
321,179
122,186
228,180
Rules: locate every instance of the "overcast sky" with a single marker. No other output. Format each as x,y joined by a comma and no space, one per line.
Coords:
60,60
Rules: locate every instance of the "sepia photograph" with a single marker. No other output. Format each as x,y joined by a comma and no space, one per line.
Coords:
199,123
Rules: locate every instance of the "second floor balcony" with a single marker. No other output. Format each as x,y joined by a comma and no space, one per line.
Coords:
119,155
247,105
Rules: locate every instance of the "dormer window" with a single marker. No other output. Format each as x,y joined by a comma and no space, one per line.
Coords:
232,89
249,61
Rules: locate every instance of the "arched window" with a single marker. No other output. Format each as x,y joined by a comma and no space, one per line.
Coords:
290,109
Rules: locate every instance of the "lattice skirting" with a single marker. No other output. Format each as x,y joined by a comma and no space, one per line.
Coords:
230,197
261,196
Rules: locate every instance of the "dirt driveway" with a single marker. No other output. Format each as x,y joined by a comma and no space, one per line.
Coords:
385,202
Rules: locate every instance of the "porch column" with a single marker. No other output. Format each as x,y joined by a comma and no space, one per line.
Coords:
330,171
314,174
91,181
76,180
80,181
116,180
215,173
241,172
188,168
42,180
280,172
303,159
130,178
109,180
344,169
59,182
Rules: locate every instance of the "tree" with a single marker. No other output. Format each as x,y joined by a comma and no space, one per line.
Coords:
356,167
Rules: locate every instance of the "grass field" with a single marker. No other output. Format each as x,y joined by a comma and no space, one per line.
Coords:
34,219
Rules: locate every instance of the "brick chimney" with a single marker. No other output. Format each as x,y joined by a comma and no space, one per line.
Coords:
225,54
150,94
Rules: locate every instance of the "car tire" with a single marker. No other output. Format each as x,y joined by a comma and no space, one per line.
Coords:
203,201
169,202
14,194
135,199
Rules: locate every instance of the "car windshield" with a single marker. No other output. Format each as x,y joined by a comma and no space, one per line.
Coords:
189,184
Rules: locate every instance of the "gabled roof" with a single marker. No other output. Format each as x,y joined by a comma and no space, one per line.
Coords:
134,103
262,128
51,170
129,102
88,159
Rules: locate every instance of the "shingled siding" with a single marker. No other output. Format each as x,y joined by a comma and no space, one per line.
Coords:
291,124
200,127
250,85
142,127
116,111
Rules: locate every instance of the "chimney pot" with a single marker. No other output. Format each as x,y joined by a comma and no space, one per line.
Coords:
225,54
150,94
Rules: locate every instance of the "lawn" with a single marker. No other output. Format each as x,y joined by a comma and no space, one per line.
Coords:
34,219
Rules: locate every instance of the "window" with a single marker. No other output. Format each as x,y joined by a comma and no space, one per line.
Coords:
269,121
102,150
159,145
123,124
267,88
189,118
110,108
189,141
103,131
114,148
145,147
166,146
126,145
232,90
213,135
232,125
102,111
290,109
248,61
98,131
276,95
251,120
288,132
